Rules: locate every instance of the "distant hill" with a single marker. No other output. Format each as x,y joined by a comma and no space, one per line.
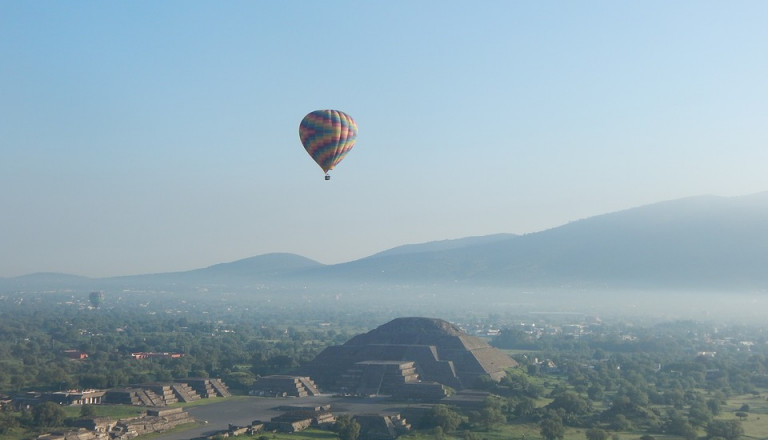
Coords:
42,281
268,265
704,242
241,273
697,242
443,245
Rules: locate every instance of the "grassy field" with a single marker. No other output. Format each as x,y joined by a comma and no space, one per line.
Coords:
756,423
15,434
309,434
112,411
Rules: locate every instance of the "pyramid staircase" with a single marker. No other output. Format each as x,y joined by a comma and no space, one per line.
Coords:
147,397
164,390
220,388
205,387
184,392
134,396
309,386
378,377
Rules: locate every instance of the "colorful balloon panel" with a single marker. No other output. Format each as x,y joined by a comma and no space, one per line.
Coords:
327,135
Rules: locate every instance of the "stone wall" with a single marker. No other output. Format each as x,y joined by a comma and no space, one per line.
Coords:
156,420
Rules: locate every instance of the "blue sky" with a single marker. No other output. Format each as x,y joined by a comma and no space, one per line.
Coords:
141,137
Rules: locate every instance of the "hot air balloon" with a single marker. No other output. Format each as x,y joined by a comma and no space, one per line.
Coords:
327,135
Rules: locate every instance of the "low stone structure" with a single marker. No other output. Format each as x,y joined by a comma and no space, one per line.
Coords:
283,386
159,394
101,428
156,420
83,397
72,397
382,427
299,418
79,434
164,390
96,424
289,423
234,431
133,396
207,387
184,393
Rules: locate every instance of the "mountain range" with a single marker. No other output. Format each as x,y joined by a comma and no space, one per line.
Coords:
703,242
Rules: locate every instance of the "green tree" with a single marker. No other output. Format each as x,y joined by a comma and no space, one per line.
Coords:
48,414
595,392
715,407
469,435
524,407
551,427
347,427
727,429
677,424
699,414
444,417
490,416
596,434
7,422
621,423
87,411
573,405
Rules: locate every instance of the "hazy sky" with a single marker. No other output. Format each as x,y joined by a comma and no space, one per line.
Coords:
147,136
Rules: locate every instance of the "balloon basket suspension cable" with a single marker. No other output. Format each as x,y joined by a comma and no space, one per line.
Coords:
327,177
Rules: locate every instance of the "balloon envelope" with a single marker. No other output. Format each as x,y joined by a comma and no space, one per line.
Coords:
327,135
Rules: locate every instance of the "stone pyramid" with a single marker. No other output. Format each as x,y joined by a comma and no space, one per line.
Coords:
440,351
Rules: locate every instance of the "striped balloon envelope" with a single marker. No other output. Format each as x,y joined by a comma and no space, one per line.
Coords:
327,135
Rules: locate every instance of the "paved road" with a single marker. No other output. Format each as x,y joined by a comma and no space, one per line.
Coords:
243,411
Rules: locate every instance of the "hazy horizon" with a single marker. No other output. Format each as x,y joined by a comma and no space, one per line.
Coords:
367,255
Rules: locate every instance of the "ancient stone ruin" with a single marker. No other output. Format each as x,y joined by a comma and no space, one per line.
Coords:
407,356
382,427
105,428
299,418
207,387
296,418
284,386
158,394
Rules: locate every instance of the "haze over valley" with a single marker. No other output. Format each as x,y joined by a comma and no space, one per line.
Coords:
693,256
